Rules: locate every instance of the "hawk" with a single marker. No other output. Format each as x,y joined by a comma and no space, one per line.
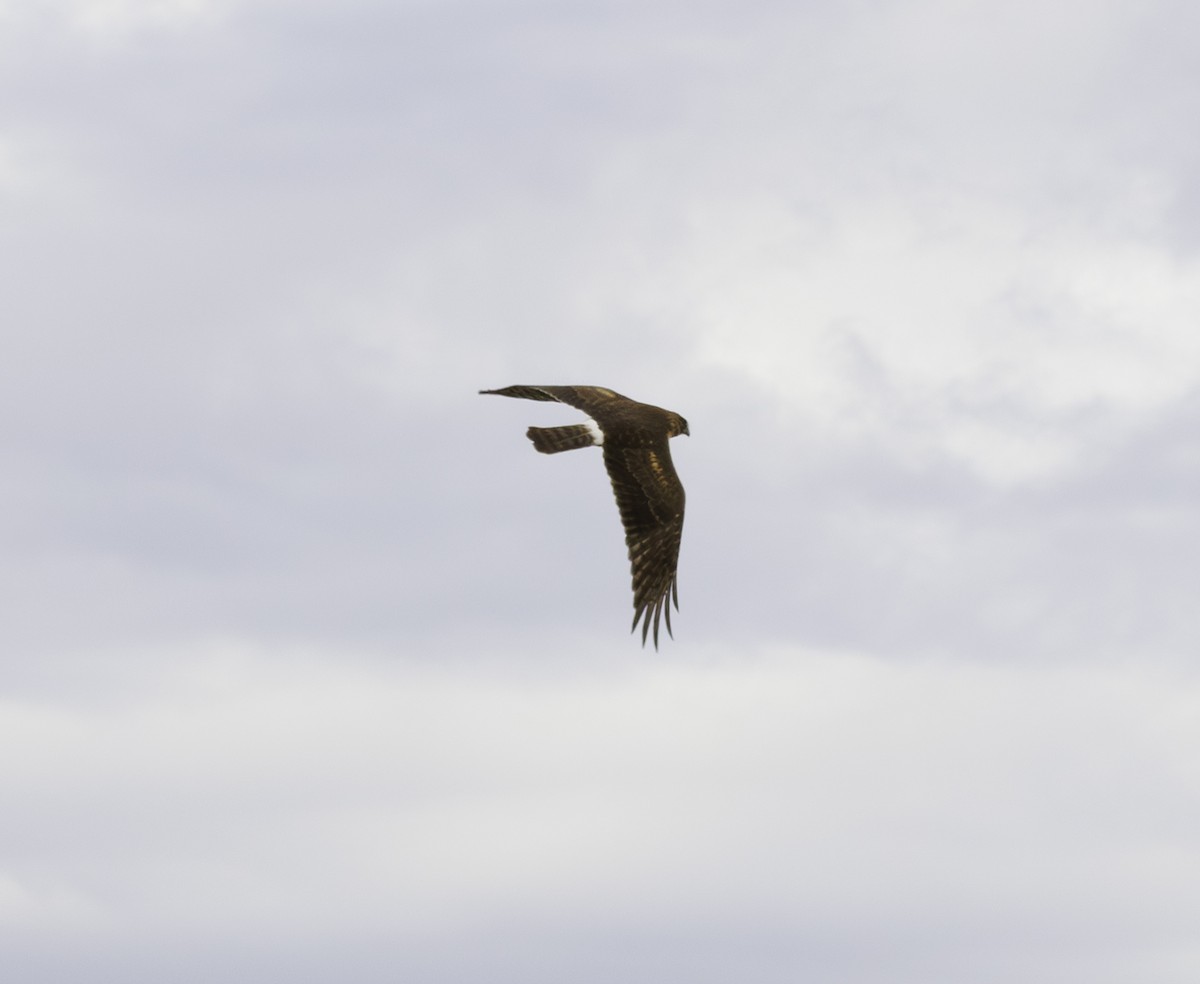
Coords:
649,494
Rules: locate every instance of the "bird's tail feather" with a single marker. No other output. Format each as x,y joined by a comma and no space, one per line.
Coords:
551,440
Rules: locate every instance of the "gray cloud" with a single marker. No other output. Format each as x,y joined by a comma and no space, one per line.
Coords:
314,669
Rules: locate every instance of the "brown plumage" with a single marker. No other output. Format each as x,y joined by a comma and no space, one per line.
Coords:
649,495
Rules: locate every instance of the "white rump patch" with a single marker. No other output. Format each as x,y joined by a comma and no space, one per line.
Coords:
595,431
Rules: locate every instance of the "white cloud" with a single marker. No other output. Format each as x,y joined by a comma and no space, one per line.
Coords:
801,793
33,910
117,19
899,315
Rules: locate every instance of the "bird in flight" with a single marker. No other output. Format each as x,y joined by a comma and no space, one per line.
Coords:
649,494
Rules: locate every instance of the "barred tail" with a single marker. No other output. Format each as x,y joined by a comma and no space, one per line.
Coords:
551,440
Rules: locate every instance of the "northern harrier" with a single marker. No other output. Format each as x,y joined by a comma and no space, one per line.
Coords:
649,495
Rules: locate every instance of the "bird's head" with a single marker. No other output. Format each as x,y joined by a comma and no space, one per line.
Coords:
678,426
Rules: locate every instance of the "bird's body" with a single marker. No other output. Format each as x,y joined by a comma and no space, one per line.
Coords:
649,494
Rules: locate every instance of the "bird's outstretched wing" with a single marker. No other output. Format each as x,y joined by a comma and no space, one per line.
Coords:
650,498
592,400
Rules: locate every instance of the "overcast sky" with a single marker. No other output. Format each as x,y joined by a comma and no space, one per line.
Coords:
312,670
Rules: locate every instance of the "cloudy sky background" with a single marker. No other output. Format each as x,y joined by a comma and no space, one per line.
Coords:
313,670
